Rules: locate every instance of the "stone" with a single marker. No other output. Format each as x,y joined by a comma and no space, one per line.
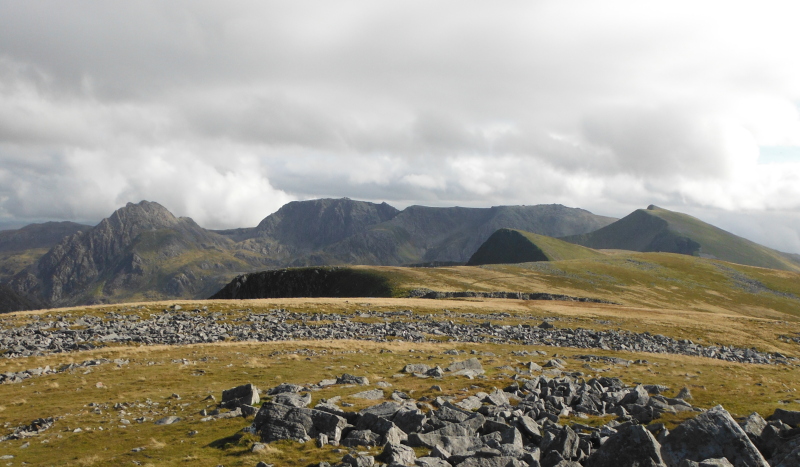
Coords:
384,409
565,443
350,379
432,462
361,438
244,394
789,417
470,364
787,453
499,461
712,434
358,460
416,368
410,419
633,446
167,420
397,454
684,394
275,422
372,394
284,388
721,462
292,399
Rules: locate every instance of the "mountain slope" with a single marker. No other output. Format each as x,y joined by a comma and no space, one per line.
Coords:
508,246
21,248
34,236
422,234
124,254
655,229
143,252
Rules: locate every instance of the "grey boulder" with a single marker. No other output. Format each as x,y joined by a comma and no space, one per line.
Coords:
710,435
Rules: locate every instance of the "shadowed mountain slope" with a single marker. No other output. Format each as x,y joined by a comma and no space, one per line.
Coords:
507,246
655,229
34,236
422,234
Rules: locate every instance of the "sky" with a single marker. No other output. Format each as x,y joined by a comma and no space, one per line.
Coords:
225,111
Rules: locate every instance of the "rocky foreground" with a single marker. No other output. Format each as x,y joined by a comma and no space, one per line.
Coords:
517,426
49,334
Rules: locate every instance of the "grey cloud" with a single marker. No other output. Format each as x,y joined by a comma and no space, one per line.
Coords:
604,106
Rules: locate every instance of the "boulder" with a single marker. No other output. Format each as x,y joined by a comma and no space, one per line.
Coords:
275,422
284,388
565,443
246,394
633,446
361,438
499,461
359,460
167,420
787,453
372,394
292,399
789,417
712,434
416,368
432,462
397,454
350,379
410,419
471,364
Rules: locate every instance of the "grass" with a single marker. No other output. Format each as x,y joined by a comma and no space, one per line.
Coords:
152,375
678,296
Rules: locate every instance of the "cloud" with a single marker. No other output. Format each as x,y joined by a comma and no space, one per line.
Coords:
223,112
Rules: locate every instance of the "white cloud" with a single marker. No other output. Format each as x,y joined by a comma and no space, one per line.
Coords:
223,111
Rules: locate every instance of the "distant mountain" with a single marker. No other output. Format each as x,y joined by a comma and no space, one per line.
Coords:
21,248
656,229
10,300
34,236
143,252
422,234
508,246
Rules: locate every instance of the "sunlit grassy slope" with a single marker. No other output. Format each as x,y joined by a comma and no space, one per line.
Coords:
507,246
653,280
657,229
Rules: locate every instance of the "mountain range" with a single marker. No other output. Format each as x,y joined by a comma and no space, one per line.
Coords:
144,252
659,230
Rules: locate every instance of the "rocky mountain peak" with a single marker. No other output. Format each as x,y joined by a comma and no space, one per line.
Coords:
145,215
310,224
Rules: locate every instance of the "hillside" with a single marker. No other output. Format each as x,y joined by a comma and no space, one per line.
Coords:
150,383
508,246
422,234
140,251
655,229
21,248
661,281
143,252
